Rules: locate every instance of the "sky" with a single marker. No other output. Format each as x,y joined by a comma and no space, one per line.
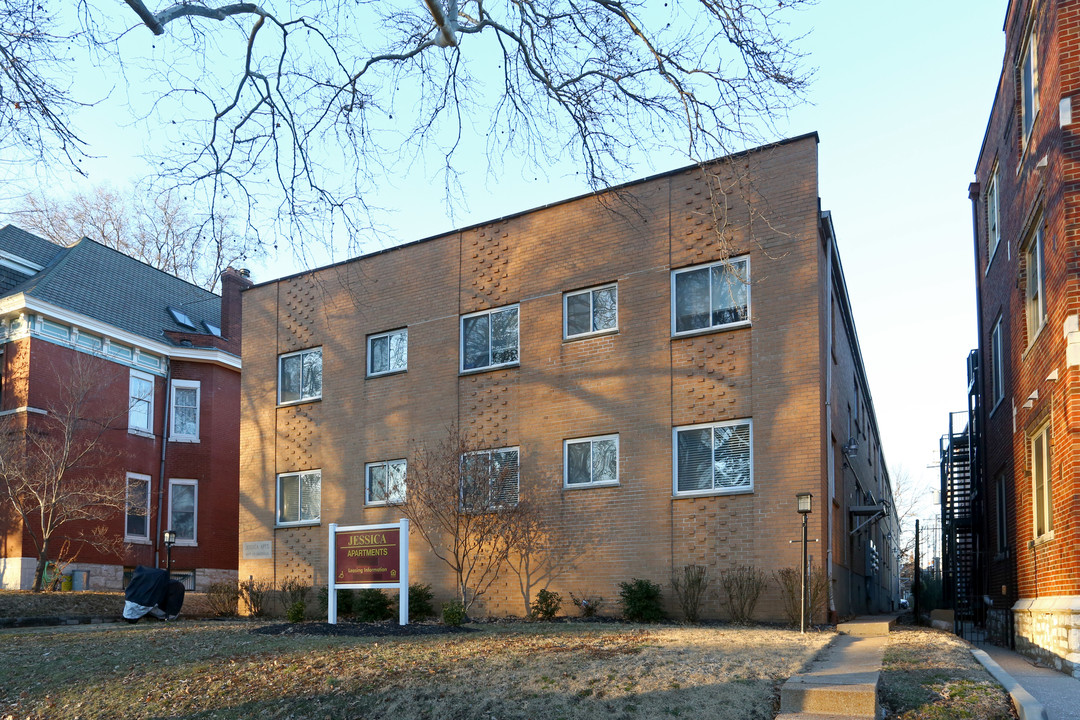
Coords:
900,100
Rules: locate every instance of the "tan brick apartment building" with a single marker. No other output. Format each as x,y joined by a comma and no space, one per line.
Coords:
552,335
1026,249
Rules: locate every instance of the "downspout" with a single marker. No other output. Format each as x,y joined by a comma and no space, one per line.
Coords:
829,454
161,469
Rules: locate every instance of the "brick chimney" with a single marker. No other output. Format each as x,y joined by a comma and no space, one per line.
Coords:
233,283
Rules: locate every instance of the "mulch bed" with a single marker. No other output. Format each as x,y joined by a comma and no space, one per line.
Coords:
356,629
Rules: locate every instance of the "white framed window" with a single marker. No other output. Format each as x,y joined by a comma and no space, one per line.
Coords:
591,461
1041,490
1001,515
714,458
141,402
489,479
993,217
591,312
137,514
1029,84
489,339
388,352
384,482
300,376
1035,282
184,510
299,496
710,297
184,411
997,366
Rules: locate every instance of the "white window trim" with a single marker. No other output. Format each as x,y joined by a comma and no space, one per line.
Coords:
1043,431
590,333
591,483
997,363
1035,249
132,376
711,328
372,338
492,451
461,340
313,398
993,238
193,483
367,486
277,500
139,539
713,491
1030,48
186,385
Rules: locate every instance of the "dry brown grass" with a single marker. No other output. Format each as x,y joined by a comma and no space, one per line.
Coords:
932,675
216,670
23,603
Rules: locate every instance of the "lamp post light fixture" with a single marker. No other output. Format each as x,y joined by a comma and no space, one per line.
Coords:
805,505
170,540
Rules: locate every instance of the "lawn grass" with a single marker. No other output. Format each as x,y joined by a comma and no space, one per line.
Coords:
932,675
223,670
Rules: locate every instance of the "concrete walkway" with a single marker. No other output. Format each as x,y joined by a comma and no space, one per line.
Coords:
1038,693
841,683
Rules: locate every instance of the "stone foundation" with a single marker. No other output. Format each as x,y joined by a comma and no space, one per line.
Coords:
1048,630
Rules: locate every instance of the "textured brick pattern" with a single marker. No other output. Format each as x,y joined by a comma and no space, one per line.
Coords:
636,381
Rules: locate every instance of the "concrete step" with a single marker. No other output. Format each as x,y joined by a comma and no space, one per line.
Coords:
815,716
841,682
867,626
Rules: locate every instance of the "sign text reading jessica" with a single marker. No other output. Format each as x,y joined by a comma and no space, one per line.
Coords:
367,556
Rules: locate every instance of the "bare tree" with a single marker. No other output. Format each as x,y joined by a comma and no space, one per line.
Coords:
307,106
463,500
539,553
164,232
906,496
59,473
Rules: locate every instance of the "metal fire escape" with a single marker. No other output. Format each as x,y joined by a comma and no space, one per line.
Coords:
962,505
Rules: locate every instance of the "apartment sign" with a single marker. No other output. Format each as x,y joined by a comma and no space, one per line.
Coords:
368,556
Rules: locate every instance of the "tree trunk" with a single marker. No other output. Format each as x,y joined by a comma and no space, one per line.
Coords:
39,571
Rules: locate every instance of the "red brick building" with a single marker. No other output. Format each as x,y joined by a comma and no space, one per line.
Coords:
163,351
1025,213
691,330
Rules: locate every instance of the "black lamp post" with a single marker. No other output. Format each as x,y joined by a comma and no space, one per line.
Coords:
805,503
170,540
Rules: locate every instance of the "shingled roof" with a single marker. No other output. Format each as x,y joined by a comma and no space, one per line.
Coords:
101,283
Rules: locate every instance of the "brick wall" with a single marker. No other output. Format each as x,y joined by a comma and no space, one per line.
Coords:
638,382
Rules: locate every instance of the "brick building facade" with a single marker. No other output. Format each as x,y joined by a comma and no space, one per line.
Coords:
1025,213
165,355
616,325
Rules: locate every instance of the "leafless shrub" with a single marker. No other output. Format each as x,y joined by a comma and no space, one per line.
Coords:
255,594
223,598
742,588
587,603
293,590
690,587
791,593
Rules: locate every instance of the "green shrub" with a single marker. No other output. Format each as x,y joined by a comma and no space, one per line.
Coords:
546,605
296,611
222,597
420,606
372,605
291,591
589,605
344,601
642,600
453,613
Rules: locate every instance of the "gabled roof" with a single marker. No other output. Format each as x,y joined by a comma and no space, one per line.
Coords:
16,241
98,282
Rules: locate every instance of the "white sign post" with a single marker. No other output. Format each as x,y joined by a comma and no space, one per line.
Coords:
365,551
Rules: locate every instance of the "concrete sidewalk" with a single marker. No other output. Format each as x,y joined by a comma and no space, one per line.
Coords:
1039,693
